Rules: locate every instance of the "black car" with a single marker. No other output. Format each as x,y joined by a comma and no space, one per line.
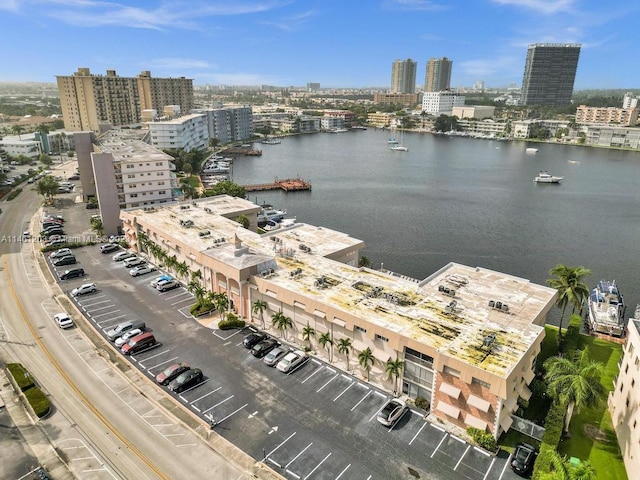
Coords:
72,273
67,260
523,459
52,231
186,380
253,338
260,349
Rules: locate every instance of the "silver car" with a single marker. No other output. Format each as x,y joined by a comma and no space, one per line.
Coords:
275,355
392,411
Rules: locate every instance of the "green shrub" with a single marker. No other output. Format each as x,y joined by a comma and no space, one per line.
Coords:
552,433
571,337
483,439
21,376
14,194
422,403
38,401
232,321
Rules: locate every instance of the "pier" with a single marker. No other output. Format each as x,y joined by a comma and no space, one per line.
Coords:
241,151
287,184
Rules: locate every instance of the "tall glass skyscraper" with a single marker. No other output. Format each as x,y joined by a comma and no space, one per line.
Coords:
438,75
549,73
403,76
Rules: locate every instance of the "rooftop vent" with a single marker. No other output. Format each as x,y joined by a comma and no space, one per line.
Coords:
451,292
489,340
503,307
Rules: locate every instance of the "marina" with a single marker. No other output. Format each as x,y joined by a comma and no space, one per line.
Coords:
287,185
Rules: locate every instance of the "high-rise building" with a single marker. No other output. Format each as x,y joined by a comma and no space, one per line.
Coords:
438,75
88,100
403,76
549,73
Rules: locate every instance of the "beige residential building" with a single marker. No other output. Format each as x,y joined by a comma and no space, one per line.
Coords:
621,116
468,336
380,119
624,401
405,99
89,101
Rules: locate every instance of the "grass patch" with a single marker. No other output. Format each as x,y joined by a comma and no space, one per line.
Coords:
14,194
21,376
191,180
509,440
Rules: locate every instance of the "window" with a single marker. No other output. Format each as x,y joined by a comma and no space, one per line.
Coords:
360,329
637,362
160,183
129,166
451,371
477,381
626,369
162,192
134,195
621,386
380,337
131,175
158,164
630,349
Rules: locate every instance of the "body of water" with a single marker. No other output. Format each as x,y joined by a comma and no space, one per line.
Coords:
470,201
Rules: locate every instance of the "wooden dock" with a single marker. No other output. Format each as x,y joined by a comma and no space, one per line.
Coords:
241,151
287,184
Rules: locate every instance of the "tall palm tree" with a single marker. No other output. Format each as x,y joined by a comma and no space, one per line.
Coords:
17,129
344,346
393,368
324,340
570,286
561,469
197,289
182,269
258,307
196,276
221,301
307,333
281,322
366,360
575,382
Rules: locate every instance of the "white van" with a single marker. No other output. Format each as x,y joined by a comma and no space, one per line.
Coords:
120,256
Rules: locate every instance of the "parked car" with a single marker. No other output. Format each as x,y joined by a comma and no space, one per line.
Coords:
166,285
72,273
62,252
253,338
392,411
139,343
50,232
133,262
524,456
108,248
171,373
142,270
260,349
66,260
54,217
121,256
160,278
63,320
186,380
123,327
124,338
291,361
54,242
275,355
74,177
84,289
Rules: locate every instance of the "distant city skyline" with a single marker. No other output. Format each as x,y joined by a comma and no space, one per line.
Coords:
334,43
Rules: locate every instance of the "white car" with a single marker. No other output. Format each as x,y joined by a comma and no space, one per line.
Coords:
63,320
291,361
165,285
63,252
133,262
84,289
142,270
120,256
120,341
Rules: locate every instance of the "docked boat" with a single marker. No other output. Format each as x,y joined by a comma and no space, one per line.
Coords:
268,213
532,150
546,177
606,309
399,148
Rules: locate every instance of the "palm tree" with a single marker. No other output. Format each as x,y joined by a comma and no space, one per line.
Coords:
221,302
197,289
344,346
571,289
366,360
561,469
17,129
258,307
281,322
182,269
307,333
171,262
574,382
196,276
393,368
324,340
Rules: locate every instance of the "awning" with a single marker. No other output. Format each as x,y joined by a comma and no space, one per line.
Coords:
523,391
298,304
475,422
320,314
449,410
528,376
506,421
480,403
450,390
340,323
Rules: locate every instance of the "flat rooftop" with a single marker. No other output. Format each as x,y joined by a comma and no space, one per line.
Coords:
481,317
127,145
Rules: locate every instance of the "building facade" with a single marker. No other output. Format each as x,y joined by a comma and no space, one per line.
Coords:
438,75
468,336
228,124
441,103
624,400
403,76
549,73
622,116
476,112
404,99
88,101
189,132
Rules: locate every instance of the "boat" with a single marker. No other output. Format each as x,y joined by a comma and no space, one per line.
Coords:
606,309
546,177
338,130
269,213
399,148
392,141
532,150
358,127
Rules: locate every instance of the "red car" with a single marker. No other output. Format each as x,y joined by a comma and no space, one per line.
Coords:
170,373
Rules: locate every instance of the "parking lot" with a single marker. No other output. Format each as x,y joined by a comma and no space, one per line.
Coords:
316,422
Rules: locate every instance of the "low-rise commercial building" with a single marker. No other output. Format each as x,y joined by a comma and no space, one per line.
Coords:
467,337
441,103
602,115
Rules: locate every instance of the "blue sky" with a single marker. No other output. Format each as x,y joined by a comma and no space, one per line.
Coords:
338,43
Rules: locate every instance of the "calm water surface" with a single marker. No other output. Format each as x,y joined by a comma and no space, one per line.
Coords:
464,200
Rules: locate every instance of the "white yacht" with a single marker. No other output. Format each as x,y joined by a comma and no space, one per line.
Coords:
546,177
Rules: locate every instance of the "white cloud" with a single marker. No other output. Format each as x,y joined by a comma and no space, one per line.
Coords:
414,5
9,5
547,7
178,63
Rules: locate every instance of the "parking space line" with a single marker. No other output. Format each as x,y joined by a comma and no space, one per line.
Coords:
281,444
153,356
361,400
301,452
418,432
377,412
441,440
92,298
232,413
490,466
109,320
460,460
482,451
98,303
318,466
160,364
293,474
205,395
457,438
317,362
190,299
275,463
217,404
312,374
437,427
344,391
98,309
342,472
330,369
107,313
327,382
381,395
505,467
